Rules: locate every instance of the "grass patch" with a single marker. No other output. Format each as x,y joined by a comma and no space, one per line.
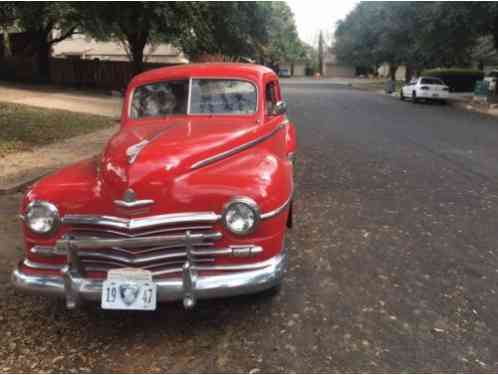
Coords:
24,127
376,85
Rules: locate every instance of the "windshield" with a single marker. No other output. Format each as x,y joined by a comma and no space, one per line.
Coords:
431,81
207,96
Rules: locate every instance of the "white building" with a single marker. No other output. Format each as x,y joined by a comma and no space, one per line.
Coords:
83,47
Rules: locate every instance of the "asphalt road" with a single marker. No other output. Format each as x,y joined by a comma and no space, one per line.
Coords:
393,261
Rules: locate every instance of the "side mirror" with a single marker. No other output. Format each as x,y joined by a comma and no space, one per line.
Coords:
280,108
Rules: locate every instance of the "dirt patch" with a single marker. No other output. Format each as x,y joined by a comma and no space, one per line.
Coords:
20,168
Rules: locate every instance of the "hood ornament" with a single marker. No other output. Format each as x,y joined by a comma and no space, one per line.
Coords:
130,200
133,151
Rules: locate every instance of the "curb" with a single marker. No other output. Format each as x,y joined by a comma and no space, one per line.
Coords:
16,187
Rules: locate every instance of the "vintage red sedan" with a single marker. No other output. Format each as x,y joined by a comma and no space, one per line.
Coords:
191,199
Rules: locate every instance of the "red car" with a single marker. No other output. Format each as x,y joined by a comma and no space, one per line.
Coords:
191,199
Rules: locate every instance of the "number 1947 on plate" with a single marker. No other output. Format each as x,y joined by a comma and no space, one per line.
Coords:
128,295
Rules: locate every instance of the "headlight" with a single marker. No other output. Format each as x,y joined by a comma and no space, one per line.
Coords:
42,217
241,216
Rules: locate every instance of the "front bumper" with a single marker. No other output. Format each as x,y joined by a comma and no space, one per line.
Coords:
188,288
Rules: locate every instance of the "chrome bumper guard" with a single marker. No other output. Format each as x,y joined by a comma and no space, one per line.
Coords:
238,280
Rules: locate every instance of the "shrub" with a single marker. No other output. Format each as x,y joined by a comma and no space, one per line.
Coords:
458,80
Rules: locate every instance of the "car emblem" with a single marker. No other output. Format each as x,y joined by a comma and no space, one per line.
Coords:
129,196
130,200
129,293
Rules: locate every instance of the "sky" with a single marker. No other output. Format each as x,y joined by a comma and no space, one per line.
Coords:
313,16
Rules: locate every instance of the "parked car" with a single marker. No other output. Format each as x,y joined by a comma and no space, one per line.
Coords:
492,77
190,199
426,88
284,72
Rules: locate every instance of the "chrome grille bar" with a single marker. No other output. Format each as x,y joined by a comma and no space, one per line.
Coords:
127,243
140,223
99,231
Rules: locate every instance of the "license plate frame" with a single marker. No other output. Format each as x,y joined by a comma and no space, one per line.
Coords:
129,289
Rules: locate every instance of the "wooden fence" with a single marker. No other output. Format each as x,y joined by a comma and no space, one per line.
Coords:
105,75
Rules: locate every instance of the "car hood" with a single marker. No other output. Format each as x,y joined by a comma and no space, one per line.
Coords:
164,149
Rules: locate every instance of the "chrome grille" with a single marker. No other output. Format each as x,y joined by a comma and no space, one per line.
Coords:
150,252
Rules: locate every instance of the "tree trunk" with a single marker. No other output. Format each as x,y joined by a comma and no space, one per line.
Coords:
136,45
6,43
137,60
408,73
43,62
392,71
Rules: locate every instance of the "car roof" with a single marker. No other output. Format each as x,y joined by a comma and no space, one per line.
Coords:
252,72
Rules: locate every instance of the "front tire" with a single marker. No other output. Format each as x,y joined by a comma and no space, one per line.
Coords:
414,97
290,218
272,292
401,96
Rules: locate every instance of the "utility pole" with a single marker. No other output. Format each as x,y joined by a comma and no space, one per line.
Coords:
320,52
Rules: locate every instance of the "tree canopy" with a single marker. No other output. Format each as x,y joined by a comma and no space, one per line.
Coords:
41,20
417,34
7,14
233,29
284,43
261,31
136,24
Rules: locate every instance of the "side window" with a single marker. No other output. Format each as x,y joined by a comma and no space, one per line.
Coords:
270,97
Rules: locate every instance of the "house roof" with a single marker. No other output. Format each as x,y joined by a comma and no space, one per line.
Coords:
83,46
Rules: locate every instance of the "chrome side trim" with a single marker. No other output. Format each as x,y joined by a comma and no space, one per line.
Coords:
277,211
134,204
131,224
235,150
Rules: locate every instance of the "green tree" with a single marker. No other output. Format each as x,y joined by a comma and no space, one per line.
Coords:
418,34
47,23
283,44
7,19
7,13
233,29
447,33
357,37
136,24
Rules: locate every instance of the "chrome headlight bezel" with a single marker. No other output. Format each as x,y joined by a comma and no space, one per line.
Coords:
247,202
52,212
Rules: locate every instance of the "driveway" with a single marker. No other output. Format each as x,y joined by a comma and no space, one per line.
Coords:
61,98
393,261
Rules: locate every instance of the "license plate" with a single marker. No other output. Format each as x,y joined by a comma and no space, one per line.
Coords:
129,289
435,95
